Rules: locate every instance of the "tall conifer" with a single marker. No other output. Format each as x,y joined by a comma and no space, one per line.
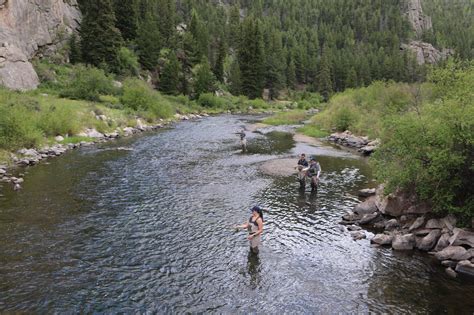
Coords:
149,43
100,39
126,13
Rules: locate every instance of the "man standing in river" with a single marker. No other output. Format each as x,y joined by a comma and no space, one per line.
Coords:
243,141
314,172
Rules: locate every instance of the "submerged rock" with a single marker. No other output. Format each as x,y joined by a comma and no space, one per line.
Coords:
366,192
354,228
358,235
403,242
450,272
449,263
382,239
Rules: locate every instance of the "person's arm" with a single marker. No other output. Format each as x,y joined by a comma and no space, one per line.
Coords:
243,226
260,229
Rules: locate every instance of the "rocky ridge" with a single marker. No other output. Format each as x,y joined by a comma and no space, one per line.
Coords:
425,53
405,224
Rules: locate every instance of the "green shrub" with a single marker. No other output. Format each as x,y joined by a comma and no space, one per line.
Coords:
18,128
258,103
55,121
211,101
88,83
344,118
128,62
138,96
429,150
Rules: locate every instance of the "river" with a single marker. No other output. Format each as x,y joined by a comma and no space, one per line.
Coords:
145,224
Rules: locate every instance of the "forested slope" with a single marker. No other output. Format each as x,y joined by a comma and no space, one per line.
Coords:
325,46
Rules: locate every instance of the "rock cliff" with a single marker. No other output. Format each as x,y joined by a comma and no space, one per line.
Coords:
424,52
29,28
413,11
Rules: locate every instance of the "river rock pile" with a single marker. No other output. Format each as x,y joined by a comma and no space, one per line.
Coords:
405,224
362,144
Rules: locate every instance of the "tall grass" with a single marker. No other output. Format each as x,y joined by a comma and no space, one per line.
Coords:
286,118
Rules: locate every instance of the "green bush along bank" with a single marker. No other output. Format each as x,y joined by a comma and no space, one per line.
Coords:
426,131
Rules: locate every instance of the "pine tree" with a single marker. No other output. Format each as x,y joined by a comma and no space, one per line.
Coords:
251,59
166,20
324,80
126,13
235,78
204,80
234,26
351,79
74,49
275,65
100,39
218,68
149,43
200,35
169,79
291,74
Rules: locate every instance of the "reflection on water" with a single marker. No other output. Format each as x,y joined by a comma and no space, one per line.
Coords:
253,266
148,229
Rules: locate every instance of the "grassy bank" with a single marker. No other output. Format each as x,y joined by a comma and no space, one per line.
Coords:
73,98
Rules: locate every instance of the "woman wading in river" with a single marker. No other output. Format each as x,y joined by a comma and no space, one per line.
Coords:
254,227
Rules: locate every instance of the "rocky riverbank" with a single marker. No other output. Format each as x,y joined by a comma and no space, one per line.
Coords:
30,157
404,224
362,144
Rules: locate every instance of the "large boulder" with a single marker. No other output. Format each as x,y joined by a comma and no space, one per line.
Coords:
443,242
454,253
403,242
30,28
394,204
366,207
462,237
399,203
430,240
16,72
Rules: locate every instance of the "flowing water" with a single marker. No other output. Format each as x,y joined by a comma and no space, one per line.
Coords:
145,224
